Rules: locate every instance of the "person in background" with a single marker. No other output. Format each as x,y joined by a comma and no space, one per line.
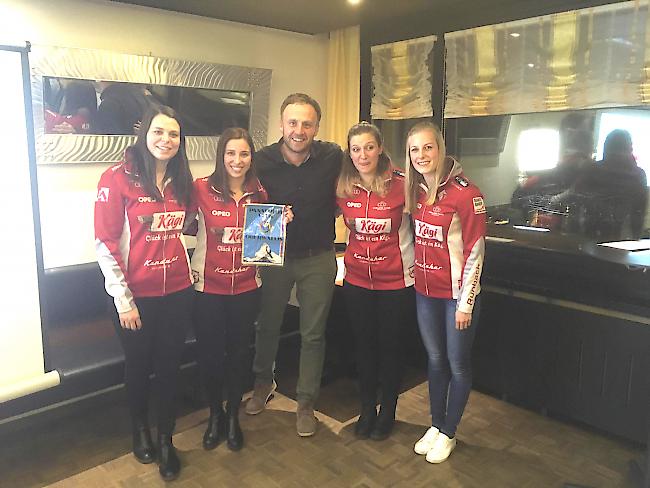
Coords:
121,108
448,213
614,192
228,298
301,172
78,109
140,213
379,273
547,198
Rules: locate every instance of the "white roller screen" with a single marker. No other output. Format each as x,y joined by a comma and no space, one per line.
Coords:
21,349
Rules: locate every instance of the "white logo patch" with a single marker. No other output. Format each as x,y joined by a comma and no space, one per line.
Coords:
102,195
372,226
479,205
232,235
428,231
163,221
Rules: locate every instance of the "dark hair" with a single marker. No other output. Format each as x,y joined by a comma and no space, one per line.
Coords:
144,164
349,175
301,99
78,95
617,143
219,178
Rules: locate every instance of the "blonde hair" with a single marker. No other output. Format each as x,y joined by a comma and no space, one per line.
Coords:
413,178
349,176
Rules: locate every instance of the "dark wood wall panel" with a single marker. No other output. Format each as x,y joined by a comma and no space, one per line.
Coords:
585,366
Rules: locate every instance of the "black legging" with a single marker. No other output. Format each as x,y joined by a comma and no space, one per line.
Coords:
379,319
224,326
156,347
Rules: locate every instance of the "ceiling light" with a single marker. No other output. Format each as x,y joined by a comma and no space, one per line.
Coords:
354,2
531,65
515,34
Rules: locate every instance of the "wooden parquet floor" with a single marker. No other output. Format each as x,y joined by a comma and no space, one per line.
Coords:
500,445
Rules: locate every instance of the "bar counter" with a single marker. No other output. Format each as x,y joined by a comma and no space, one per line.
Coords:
565,329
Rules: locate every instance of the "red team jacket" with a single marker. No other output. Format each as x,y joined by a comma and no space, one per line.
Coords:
216,262
379,255
139,241
450,241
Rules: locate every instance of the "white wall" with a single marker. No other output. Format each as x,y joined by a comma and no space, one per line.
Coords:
298,61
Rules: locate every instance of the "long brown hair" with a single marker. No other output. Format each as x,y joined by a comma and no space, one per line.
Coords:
219,177
413,178
349,175
144,163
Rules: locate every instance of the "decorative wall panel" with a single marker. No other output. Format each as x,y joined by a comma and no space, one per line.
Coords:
109,66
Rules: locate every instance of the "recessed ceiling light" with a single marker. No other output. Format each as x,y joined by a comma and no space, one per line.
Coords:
531,65
354,2
515,34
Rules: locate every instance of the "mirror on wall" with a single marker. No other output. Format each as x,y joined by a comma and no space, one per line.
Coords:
80,106
76,141
580,174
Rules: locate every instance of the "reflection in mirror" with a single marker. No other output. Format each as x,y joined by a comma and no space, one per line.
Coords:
580,174
74,106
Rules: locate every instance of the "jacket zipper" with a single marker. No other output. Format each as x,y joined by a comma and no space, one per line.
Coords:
424,257
164,244
368,245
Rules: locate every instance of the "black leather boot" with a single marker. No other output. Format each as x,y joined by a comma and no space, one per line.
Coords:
169,466
385,422
143,448
366,422
216,430
234,435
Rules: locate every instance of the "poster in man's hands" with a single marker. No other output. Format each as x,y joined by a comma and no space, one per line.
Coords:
264,235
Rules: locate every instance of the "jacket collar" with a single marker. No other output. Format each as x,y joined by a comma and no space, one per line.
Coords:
455,170
253,187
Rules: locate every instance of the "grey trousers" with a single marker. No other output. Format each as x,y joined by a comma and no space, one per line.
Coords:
314,279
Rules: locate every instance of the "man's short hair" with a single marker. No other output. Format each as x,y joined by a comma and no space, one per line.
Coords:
301,99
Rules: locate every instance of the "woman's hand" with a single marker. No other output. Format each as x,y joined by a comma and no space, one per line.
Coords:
463,320
288,214
131,319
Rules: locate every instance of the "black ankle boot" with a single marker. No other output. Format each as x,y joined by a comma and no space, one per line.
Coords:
169,466
216,430
366,422
143,448
234,435
384,425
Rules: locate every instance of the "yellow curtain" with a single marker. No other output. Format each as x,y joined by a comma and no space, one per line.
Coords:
401,79
585,58
343,96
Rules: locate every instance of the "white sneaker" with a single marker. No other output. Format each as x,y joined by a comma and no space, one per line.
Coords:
441,449
426,442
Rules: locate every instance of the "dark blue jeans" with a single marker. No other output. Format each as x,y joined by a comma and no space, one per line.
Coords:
449,352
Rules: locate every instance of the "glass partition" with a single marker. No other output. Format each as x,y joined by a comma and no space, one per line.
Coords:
579,175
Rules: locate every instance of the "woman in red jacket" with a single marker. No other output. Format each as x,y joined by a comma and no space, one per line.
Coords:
139,218
379,273
229,297
448,213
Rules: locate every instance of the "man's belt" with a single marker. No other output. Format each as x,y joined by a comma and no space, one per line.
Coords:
308,253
